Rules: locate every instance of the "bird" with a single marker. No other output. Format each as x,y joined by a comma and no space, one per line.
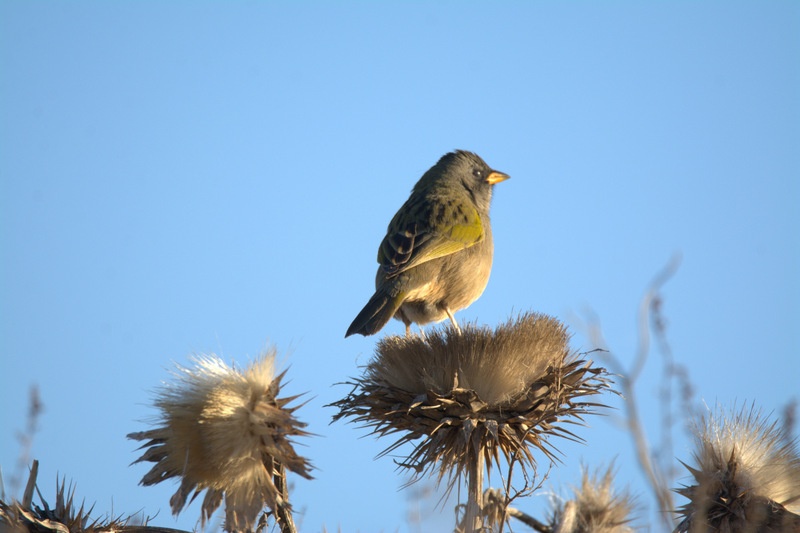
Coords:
437,254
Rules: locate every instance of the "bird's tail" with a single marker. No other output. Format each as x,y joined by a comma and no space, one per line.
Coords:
378,311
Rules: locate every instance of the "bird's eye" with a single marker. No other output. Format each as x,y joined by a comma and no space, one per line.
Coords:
478,173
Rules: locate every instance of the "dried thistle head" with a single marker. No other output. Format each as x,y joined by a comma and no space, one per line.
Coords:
746,478
224,431
595,508
476,395
25,516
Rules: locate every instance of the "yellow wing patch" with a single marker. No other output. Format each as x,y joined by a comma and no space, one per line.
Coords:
429,245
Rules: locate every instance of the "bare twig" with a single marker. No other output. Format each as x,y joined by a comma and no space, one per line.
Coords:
658,480
789,420
527,489
528,520
138,529
672,374
25,438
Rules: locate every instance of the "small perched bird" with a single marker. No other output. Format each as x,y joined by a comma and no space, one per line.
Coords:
437,253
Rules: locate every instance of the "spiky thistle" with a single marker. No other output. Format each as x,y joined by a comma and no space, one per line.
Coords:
27,517
469,398
226,432
746,477
596,507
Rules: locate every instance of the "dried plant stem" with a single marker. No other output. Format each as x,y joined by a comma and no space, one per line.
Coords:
27,497
35,408
283,514
141,529
659,485
474,514
528,520
658,479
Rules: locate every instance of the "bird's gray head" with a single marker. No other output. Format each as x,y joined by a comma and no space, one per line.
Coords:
467,170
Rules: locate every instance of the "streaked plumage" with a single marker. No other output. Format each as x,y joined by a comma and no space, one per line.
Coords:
437,254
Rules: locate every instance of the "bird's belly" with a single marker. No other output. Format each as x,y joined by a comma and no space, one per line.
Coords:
449,290
420,312
422,305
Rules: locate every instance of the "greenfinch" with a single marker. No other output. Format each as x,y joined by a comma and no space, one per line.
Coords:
437,253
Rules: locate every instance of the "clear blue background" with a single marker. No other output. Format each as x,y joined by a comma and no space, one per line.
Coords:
183,178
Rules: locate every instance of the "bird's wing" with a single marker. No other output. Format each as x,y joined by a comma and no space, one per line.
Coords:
413,240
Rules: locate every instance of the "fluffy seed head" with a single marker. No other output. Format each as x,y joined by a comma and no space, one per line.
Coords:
746,478
595,508
224,431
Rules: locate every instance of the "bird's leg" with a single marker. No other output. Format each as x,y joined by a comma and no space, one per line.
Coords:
408,328
452,319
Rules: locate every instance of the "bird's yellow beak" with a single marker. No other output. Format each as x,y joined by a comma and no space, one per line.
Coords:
496,177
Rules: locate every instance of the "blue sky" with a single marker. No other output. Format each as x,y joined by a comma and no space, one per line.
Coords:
180,178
